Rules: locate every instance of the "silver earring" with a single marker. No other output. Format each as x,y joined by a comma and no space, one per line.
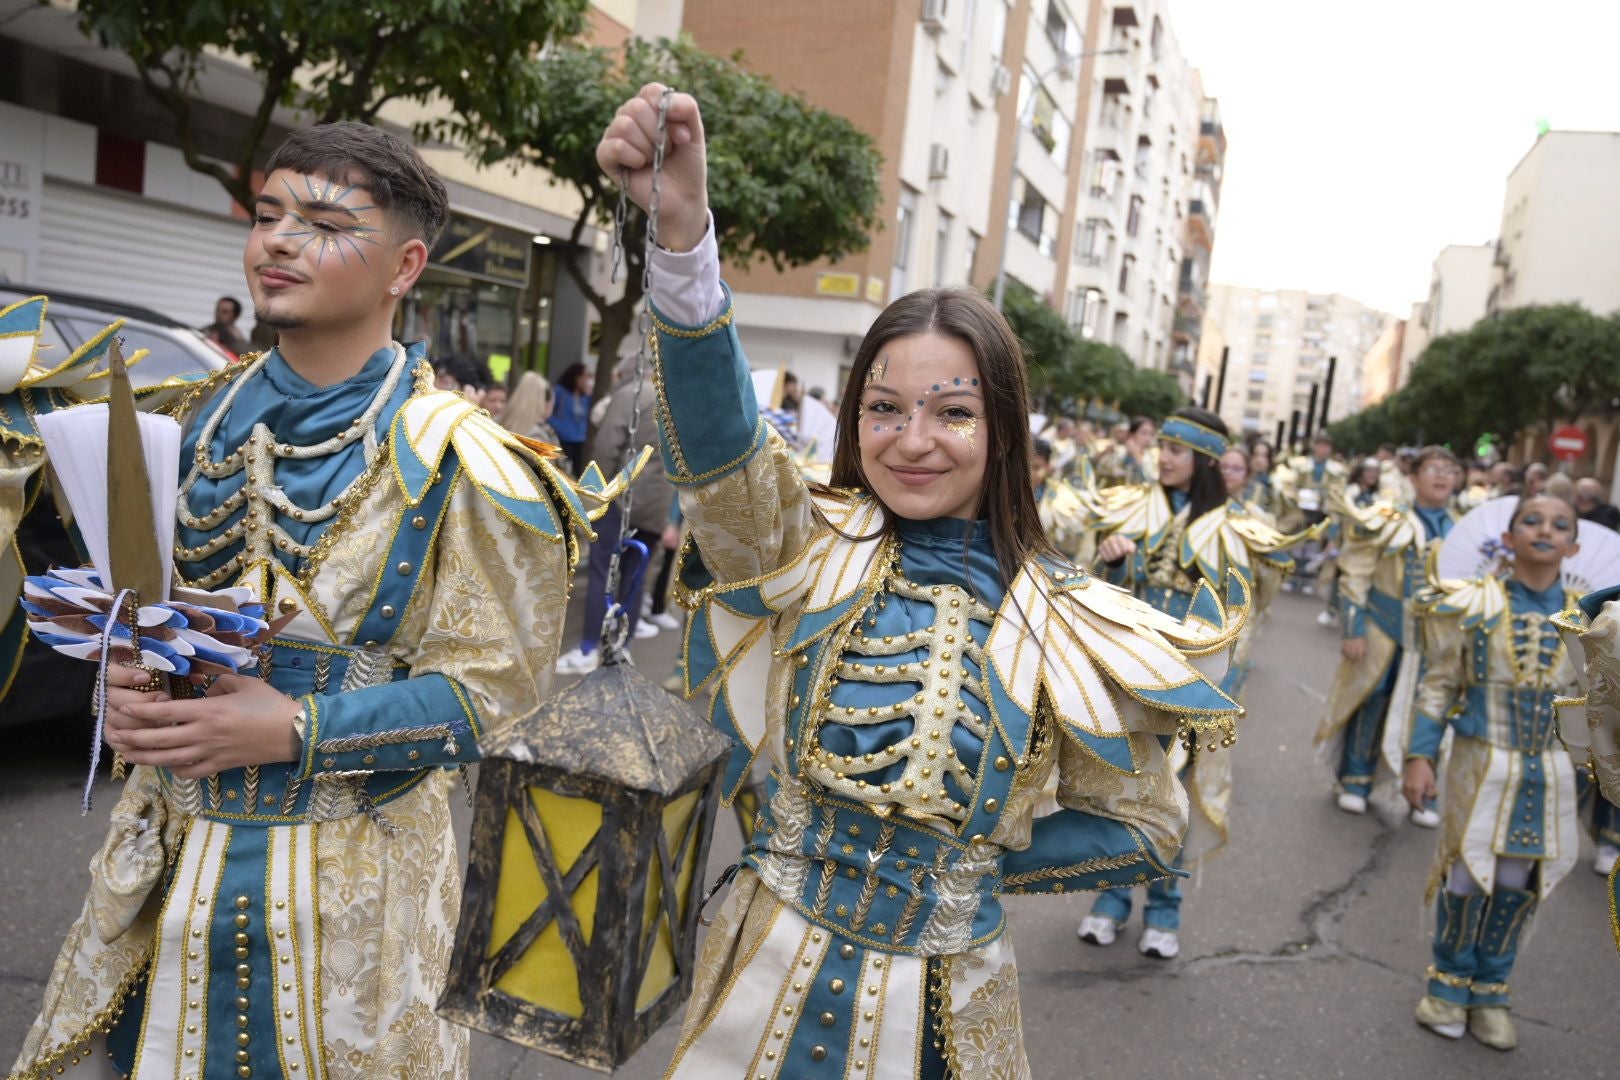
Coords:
394,291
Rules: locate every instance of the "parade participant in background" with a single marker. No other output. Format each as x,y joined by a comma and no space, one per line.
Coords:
572,415
1493,663
852,629
1161,540
1062,509
1130,460
1305,486
1364,483
1591,503
1505,480
1476,489
280,888
1535,478
1260,492
223,330
1382,563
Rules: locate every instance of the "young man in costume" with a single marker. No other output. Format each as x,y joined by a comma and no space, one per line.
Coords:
279,891
1493,664
1382,562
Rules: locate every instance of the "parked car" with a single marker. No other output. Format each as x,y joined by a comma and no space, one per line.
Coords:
48,685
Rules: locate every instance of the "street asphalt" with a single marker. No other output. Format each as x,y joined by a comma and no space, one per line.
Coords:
1303,944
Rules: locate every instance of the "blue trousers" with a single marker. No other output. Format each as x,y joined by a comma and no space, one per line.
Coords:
1363,735
1163,908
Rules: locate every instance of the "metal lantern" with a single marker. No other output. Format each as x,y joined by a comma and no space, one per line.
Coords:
591,828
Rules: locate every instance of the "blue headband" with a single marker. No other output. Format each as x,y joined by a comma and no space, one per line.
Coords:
1196,436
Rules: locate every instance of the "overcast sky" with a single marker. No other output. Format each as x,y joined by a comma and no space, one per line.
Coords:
1363,137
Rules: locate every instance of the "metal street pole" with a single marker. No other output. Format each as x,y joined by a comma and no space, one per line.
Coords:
1018,139
1220,383
1327,389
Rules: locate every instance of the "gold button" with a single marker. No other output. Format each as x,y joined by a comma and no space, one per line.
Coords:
1002,764
414,754
243,971
405,568
846,951
387,611
991,805
244,1071
818,1053
243,983
242,1004
241,1020
828,1019
286,604
243,903
836,986
369,759
418,522
243,1038
241,939
243,1056
241,952
242,920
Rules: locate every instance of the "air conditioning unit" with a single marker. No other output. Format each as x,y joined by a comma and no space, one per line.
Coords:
939,161
933,16
1001,81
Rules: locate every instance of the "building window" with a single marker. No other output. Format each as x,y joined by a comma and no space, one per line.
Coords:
1104,174
942,244
1095,241
1046,121
1127,266
1033,217
1156,40
905,218
1057,28
1095,313
1258,376
1133,220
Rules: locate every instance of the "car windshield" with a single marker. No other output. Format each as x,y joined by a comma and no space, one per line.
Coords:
169,353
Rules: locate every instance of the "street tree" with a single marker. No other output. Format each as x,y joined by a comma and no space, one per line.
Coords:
789,183
1536,365
331,59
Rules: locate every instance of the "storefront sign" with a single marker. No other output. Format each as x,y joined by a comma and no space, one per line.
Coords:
22,183
481,250
838,284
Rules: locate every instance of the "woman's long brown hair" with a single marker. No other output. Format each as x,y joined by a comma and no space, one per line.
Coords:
1008,496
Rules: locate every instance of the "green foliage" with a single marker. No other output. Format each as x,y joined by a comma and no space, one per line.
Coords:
788,183
349,58
1067,371
1530,365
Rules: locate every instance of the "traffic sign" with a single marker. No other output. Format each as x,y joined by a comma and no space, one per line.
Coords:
1568,443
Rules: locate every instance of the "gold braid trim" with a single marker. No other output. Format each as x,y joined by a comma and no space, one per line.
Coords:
1090,866
719,323
78,1048
1445,978
372,740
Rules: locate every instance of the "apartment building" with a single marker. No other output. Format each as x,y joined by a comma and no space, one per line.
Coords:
1281,346
1559,226
1150,169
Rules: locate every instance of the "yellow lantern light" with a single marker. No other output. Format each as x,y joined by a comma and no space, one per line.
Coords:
591,828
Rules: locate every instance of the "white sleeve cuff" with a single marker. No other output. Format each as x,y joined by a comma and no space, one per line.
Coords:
686,284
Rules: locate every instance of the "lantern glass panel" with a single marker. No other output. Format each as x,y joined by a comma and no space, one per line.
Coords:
678,837
545,975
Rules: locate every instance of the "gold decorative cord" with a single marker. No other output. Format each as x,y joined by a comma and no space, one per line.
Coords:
1090,866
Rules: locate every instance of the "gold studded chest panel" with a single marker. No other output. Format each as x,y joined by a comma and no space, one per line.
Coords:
903,712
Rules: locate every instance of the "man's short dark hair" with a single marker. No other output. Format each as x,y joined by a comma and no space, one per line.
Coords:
1436,453
1322,437
236,306
388,167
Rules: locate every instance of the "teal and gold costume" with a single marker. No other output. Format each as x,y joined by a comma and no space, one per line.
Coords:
1589,722
1383,562
1493,664
296,919
1173,557
909,705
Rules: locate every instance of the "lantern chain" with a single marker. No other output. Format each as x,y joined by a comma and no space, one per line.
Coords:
616,625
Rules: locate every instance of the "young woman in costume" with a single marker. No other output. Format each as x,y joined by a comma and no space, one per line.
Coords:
910,660
1161,540
1493,664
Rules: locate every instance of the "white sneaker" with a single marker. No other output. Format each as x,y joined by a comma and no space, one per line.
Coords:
1325,618
664,620
1603,862
1308,589
1426,818
1098,930
1352,804
578,662
645,629
1159,944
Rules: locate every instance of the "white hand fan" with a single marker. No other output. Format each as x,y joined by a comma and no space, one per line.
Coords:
1474,547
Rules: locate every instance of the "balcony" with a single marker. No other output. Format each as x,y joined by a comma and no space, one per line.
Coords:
1200,226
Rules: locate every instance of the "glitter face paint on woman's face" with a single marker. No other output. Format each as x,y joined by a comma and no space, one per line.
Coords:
921,416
